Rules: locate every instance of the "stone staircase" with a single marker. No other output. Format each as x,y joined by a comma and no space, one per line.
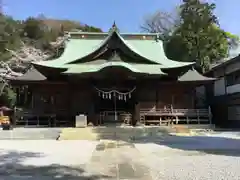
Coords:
78,134
114,133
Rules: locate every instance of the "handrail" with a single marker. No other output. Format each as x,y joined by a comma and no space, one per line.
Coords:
174,111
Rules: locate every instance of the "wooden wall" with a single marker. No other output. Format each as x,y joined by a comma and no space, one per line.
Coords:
80,100
50,98
75,99
179,96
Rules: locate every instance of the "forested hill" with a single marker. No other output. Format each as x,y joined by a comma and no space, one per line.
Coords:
38,32
33,39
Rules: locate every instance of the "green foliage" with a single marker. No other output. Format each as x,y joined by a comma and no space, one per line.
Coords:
87,28
38,32
199,37
43,30
8,97
9,35
195,34
33,28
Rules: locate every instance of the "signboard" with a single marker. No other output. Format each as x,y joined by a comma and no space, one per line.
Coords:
81,120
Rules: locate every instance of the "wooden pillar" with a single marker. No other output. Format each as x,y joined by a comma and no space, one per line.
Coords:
193,93
136,113
172,101
91,117
136,116
156,98
25,95
70,117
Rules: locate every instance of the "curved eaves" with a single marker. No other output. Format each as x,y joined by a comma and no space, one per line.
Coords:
131,48
177,64
78,69
69,55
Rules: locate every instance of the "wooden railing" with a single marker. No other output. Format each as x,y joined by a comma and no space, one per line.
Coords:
31,118
171,115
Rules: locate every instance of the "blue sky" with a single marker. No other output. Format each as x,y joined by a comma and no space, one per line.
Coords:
128,14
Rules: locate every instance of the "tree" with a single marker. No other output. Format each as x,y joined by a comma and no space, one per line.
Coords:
22,42
199,33
163,23
9,35
198,36
87,28
33,28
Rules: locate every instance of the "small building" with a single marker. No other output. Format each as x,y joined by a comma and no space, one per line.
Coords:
224,93
111,78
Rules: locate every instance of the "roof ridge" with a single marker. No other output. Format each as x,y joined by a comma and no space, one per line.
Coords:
106,33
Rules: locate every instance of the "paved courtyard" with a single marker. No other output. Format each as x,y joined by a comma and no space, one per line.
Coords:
214,157
30,133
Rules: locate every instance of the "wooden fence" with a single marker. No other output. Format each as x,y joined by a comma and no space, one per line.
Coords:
175,116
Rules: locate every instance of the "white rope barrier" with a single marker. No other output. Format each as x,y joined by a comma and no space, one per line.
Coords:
115,93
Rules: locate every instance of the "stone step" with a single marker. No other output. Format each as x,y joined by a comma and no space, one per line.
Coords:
89,133
77,134
132,130
97,133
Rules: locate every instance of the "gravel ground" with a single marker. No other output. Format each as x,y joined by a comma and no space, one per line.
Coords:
168,164
170,158
214,156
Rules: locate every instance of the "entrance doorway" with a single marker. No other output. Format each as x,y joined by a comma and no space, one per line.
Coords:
115,106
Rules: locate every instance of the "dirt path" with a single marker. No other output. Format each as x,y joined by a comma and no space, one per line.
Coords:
119,160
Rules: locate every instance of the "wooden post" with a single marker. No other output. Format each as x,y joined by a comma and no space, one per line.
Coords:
26,121
25,95
173,97
171,113
137,115
37,120
71,120
198,116
156,98
32,104
210,115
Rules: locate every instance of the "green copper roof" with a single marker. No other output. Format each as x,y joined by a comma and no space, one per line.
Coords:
145,53
137,68
193,75
148,48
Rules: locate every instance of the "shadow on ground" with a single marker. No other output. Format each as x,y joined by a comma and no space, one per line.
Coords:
163,136
12,167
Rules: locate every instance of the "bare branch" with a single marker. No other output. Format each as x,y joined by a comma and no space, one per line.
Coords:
21,60
60,41
15,54
9,70
160,22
